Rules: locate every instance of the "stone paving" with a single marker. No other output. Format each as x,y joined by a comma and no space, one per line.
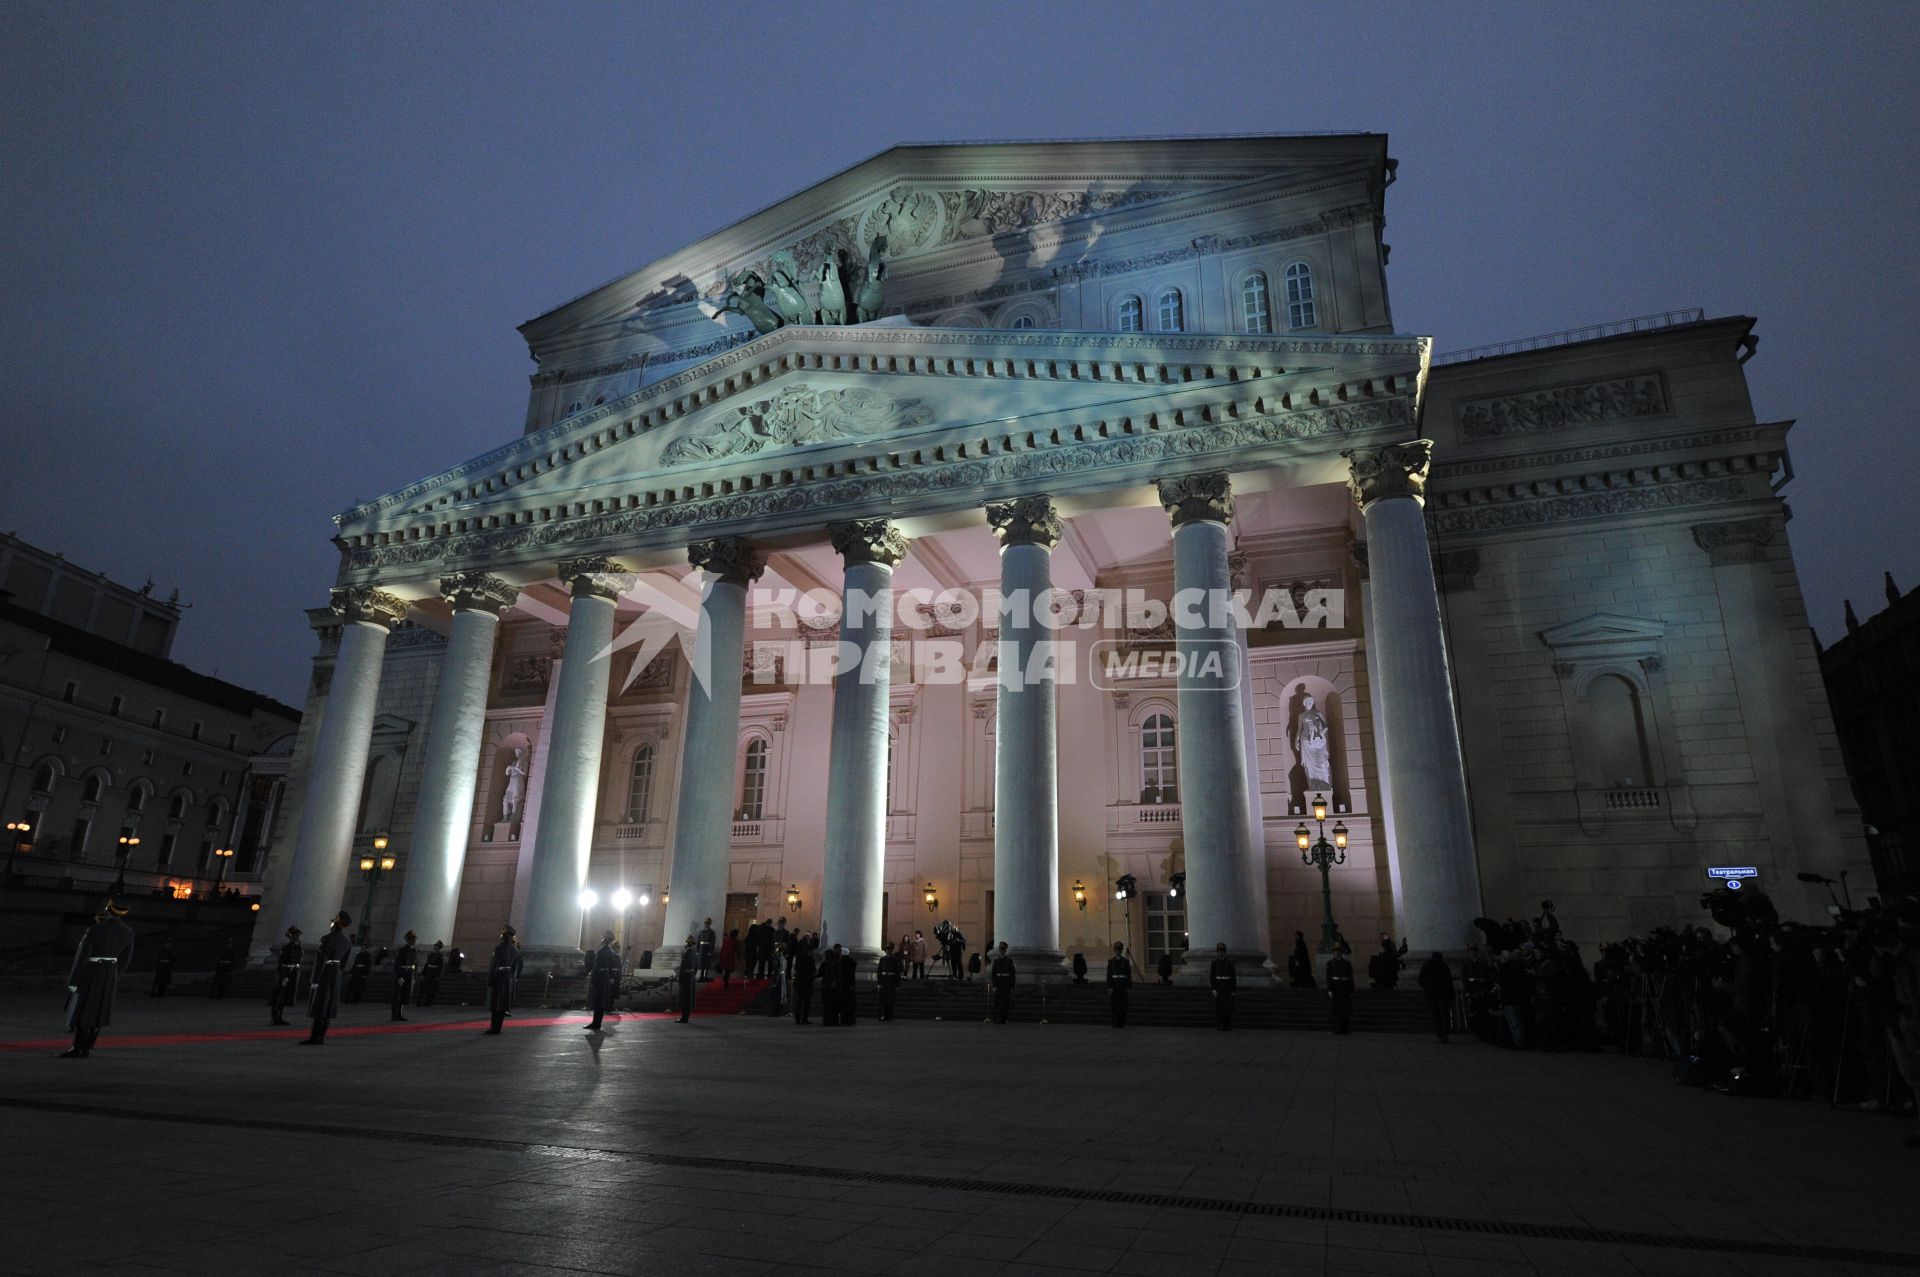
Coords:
195,1140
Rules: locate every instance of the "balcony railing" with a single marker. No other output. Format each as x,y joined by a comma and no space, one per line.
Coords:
1633,799
1567,336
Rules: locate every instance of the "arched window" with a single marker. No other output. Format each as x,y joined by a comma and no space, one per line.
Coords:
753,780
1256,303
1159,768
90,793
1170,309
1131,314
1021,321
1300,308
178,810
640,786
1619,725
136,799
43,779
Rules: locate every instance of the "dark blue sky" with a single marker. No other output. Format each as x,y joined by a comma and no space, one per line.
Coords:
263,260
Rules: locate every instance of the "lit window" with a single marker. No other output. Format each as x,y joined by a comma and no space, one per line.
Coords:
1171,311
1159,766
640,786
1130,315
1256,308
1300,308
753,780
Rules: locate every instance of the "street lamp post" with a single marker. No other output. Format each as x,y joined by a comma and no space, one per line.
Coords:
225,856
373,868
19,839
1323,855
123,852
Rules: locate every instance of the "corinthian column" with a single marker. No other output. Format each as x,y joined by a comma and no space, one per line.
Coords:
1026,839
1222,870
443,822
339,768
1407,657
571,785
703,826
850,895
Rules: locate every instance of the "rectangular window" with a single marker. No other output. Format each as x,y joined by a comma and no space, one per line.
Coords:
81,828
167,843
233,739
1166,925
195,733
146,758
73,690
59,735
159,718
106,747
114,706
186,768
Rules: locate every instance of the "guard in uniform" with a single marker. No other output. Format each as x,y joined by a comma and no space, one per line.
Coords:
105,950
430,973
603,980
707,942
1340,989
1119,980
1002,978
887,975
688,973
503,973
803,973
162,972
846,989
222,974
286,976
1224,981
404,959
357,978
323,1003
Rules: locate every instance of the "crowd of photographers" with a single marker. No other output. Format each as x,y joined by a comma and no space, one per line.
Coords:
1774,1008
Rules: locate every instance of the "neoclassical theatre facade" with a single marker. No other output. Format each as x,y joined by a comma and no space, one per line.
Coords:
730,631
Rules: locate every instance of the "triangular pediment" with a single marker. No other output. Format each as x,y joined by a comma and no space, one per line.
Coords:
1604,635
929,202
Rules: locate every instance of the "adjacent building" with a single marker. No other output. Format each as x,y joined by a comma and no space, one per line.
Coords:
1873,676
1525,619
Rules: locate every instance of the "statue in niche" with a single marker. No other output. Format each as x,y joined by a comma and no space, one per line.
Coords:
783,288
873,290
833,293
1311,745
516,787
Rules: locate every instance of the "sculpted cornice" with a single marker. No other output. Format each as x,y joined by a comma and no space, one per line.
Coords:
1137,455
1589,505
1447,472
652,406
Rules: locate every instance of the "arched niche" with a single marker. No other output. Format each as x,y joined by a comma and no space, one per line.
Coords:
1329,704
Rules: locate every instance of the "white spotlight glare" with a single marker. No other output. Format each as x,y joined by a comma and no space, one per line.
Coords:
622,899
589,898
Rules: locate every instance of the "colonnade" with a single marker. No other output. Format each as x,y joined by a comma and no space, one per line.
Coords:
1225,860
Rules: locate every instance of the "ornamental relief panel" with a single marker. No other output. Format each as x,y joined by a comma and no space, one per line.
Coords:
797,416
1622,398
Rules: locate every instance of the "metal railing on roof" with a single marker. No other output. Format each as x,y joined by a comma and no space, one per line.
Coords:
1566,337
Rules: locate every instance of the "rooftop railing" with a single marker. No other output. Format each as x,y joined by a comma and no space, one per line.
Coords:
1566,337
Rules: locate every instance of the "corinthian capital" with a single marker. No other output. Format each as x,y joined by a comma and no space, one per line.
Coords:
1737,541
1024,521
477,592
369,604
729,558
869,541
1198,498
593,576
1397,470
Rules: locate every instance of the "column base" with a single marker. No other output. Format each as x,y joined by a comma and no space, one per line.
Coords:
1195,969
666,960
1044,965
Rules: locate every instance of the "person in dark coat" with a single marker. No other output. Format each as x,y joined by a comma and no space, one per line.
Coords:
603,980
105,950
503,974
1119,981
1340,989
1383,969
357,977
430,973
1225,982
956,955
689,972
1002,980
162,972
1164,968
222,974
323,1003
728,958
1436,981
830,987
845,990
707,941
404,960
887,976
286,976
1300,963
803,973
